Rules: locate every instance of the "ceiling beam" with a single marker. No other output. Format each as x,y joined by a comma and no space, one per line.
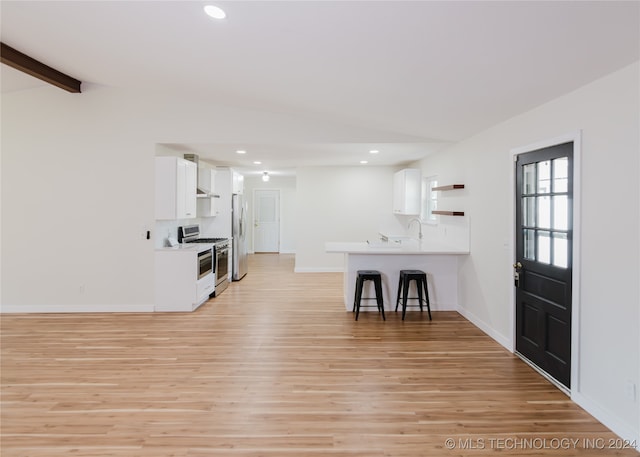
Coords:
32,67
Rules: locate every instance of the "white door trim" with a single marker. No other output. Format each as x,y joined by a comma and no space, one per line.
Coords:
576,138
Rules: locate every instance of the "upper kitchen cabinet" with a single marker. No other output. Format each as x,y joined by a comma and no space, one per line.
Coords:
176,181
406,191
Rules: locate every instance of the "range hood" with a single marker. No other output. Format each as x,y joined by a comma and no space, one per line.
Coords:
200,193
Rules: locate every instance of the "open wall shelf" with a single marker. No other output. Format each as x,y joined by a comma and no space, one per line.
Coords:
450,187
449,213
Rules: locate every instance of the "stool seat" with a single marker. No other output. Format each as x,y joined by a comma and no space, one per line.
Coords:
368,275
420,279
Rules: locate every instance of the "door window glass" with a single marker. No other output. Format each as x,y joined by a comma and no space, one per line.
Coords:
544,212
529,179
529,244
543,240
560,174
545,207
544,177
560,212
560,250
529,211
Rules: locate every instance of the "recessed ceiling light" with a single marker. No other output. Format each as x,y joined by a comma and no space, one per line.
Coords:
240,151
363,162
215,12
257,162
373,151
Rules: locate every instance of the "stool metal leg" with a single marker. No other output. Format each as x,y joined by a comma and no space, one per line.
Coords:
358,296
419,284
355,295
356,301
426,294
405,293
399,289
379,299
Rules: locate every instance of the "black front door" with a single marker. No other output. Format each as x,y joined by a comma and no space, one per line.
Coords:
544,234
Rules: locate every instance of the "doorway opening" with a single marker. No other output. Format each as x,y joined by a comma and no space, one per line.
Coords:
266,221
545,258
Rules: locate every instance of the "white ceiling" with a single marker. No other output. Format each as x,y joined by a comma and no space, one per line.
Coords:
420,74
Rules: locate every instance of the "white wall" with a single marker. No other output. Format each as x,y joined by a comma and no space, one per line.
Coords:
77,197
341,204
78,180
608,113
287,187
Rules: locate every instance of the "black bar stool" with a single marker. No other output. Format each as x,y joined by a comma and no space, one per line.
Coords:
420,277
368,275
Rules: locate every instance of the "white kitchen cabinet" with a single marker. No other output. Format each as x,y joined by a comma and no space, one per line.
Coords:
176,181
177,285
407,191
207,206
190,188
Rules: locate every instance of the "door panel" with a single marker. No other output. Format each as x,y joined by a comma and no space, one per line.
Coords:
266,232
544,233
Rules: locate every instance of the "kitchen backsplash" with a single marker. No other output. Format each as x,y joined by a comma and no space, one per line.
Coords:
164,229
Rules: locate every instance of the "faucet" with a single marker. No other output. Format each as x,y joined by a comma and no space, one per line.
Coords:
415,219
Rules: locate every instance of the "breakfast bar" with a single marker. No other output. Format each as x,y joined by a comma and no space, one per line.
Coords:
438,261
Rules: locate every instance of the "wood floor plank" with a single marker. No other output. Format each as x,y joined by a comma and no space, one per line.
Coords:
274,366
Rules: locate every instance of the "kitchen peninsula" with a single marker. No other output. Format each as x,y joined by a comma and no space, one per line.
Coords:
439,261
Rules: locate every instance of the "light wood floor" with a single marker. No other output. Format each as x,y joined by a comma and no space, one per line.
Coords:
276,367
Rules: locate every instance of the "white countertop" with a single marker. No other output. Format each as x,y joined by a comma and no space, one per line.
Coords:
411,247
188,247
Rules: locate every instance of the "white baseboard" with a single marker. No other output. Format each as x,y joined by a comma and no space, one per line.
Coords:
624,431
83,308
319,269
279,252
486,328
440,307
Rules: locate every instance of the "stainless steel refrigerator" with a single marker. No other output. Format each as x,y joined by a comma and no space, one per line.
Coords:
239,234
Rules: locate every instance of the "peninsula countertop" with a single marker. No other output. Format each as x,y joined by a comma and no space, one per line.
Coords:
406,247
437,259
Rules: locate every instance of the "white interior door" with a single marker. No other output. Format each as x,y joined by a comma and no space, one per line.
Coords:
266,226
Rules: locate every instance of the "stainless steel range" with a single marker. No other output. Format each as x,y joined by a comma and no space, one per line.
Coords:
191,234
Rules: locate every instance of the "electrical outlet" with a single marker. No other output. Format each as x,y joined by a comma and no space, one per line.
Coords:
630,390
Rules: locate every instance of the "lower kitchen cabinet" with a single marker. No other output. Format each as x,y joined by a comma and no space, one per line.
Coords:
177,286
